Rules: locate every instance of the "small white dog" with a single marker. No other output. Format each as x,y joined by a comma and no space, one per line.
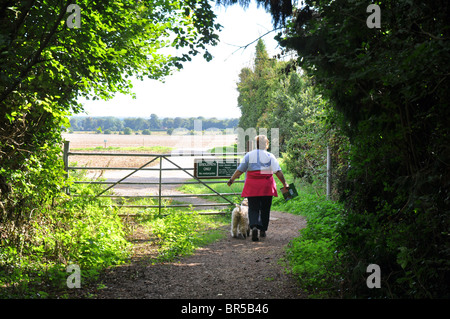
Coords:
239,220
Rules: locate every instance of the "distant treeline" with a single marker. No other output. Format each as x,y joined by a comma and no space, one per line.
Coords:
153,123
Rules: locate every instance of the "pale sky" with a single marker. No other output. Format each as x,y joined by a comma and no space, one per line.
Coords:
201,88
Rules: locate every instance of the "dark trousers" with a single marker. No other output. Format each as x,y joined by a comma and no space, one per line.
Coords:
259,211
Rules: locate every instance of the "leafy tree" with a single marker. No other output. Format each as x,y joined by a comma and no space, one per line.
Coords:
255,87
389,88
297,110
47,65
127,131
167,122
155,123
74,124
293,106
136,123
82,123
178,122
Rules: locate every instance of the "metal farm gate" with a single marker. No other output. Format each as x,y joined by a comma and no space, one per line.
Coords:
205,166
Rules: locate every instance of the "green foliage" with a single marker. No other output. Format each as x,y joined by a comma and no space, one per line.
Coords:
255,87
389,87
83,123
20,205
303,118
78,231
313,257
127,131
46,66
178,233
224,149
279,95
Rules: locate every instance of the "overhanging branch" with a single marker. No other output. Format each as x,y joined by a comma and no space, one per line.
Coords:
243,47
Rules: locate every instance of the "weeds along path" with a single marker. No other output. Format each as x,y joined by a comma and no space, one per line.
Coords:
228,268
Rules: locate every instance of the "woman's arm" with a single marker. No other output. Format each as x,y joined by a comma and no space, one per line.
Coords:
236,175
282,179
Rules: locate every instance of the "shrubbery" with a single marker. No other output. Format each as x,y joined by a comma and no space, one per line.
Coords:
77,231
380,101
313,257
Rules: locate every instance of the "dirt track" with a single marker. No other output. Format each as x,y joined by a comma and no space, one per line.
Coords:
228,269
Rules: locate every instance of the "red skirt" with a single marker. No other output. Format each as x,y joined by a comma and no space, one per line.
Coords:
259,184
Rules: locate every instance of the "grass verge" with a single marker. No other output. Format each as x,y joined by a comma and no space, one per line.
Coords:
89,232
178,233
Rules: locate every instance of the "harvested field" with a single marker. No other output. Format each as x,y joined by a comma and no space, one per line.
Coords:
206,141
175,142
111,161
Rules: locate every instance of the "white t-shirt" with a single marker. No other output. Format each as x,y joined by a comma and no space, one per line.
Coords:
259,160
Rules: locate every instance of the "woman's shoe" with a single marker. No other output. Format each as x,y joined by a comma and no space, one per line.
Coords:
262,233
255,234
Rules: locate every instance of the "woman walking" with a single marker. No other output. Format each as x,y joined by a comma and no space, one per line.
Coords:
259,166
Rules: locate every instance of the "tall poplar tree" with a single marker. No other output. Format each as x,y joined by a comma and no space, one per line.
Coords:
255,87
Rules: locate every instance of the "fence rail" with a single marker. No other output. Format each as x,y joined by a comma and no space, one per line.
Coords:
160,182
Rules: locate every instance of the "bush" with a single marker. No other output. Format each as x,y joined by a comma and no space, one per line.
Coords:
313,257
127,131
77,231
176,234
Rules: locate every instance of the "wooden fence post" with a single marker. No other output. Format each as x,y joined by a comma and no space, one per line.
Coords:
159,187
66,163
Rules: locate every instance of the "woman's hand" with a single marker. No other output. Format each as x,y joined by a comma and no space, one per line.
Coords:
235,176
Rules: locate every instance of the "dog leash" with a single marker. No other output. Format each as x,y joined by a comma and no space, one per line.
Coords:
236,196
